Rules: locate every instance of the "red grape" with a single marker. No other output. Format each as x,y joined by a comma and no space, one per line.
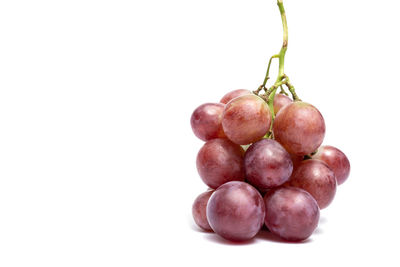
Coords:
281,101
246,119
291,213
233,94
267,164
199,209
206,121
299,127
336,160
316,178
236,211
296,160
220,161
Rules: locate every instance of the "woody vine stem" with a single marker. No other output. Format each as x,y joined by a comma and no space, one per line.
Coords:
282,78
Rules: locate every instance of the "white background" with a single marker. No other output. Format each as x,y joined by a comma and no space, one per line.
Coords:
97,157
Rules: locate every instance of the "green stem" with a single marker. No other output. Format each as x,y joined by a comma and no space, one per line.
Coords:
256,92
292,91
274,88
281,55
283,91
269,66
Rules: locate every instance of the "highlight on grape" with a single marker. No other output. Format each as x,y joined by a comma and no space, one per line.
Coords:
264,162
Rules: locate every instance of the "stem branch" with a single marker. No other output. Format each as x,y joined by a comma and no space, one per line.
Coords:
292,91
269,66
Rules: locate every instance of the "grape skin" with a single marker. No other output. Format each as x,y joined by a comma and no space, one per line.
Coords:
220,161
316,178
199,209
206,121
300,128
296,160
233,94
236,211
267,164
336,160
291,213
281,101
246,119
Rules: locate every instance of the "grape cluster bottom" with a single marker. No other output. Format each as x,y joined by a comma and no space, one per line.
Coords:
264,171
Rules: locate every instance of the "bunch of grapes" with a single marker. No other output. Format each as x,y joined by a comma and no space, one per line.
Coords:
263,162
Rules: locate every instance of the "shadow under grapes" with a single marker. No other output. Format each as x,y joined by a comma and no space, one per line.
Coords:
265,235
217,239
198,229
322,220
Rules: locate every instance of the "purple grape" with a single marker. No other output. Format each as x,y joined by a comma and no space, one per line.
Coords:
233,94
199,210
316,178
299,127
220,161
236,211
336,160
281,101
206,121
291,213
267,164
296,160
246,119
